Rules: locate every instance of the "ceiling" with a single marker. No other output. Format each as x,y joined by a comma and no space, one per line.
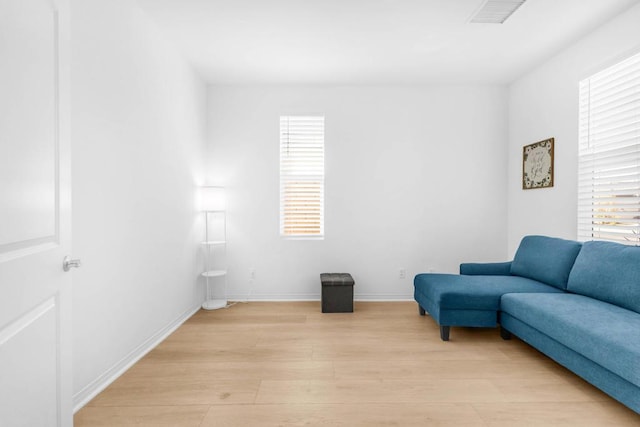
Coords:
370,41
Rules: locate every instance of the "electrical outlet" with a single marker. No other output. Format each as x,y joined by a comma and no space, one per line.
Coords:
402,273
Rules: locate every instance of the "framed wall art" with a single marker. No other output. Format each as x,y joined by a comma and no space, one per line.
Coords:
537,165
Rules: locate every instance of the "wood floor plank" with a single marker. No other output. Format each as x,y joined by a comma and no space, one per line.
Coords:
547,388
442,369
378,391
146,416
160,391
270,370
356,352
221,354
347,415
565,414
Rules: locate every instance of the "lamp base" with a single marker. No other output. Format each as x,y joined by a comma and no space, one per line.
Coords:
214,304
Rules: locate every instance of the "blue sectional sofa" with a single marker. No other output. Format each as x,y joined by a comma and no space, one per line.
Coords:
577,303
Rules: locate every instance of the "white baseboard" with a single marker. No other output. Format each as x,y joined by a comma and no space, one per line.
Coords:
316,297
92,389
383,297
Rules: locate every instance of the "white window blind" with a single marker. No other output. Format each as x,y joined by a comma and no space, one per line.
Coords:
609,155
302,176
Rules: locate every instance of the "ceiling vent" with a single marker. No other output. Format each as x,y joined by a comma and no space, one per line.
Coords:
495,11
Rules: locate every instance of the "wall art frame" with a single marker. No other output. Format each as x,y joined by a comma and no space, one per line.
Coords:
537,164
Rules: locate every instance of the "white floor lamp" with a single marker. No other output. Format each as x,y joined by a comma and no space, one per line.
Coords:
213,203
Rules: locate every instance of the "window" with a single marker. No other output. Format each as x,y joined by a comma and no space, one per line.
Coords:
609,155
302,176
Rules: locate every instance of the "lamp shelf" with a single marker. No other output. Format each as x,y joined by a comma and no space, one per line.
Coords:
214,242
214,273
214,304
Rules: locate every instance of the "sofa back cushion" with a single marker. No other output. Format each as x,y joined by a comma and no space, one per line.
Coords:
609,272
545,259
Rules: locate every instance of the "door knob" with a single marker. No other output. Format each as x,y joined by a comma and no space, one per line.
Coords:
68,263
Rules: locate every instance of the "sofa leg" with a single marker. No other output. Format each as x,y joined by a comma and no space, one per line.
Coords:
444,333
504,334
421,310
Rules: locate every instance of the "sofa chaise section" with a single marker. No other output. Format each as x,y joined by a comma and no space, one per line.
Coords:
472,299
469,301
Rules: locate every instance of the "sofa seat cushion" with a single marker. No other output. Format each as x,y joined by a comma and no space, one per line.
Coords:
604,333
609,272
546,259
451,291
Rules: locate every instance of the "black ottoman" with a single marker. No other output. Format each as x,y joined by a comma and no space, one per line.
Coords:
337,292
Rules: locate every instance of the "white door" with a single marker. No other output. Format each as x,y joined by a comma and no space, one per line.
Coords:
35,293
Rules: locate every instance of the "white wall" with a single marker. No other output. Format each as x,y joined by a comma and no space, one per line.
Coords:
415,179
138,139
543,104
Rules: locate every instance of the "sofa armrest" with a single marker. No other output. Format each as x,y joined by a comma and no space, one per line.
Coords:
486,269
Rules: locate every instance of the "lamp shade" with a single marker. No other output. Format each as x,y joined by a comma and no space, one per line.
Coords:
211,199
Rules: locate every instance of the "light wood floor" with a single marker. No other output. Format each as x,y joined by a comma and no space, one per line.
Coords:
287,364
